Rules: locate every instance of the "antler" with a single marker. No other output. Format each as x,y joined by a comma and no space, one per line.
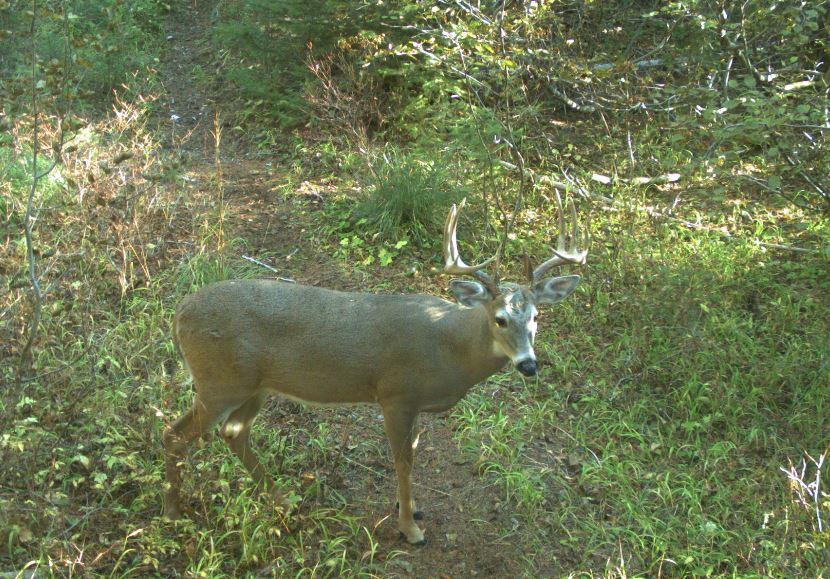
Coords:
452,260
564,254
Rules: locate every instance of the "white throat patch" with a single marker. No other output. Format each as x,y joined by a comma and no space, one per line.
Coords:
499,351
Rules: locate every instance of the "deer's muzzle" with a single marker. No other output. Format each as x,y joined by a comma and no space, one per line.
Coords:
527,367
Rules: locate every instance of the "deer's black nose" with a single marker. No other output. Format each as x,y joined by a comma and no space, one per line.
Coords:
527,367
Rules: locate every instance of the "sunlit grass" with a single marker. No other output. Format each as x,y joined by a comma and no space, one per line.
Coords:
670,403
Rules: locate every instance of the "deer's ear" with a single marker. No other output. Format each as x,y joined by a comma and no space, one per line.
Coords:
469,293
555,289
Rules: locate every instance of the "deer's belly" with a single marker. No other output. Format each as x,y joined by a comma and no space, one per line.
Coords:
311,401
313,389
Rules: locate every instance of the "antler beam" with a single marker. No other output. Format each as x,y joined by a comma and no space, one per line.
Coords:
453,263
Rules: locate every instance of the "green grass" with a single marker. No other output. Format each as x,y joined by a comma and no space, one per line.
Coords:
409,196
680,381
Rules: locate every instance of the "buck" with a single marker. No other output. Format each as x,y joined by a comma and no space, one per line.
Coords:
243,340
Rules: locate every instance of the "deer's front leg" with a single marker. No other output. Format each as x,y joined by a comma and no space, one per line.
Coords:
399,422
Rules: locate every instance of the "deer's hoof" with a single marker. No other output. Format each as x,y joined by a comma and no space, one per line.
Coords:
418,543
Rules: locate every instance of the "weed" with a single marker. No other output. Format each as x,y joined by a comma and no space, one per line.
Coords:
409,196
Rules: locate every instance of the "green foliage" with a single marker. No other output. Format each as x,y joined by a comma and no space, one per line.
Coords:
354,241
16,174
87,48
680,378
731,87
740,89
259,35
409,196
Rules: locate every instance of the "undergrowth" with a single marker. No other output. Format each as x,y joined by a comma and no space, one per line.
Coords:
668,405
409,196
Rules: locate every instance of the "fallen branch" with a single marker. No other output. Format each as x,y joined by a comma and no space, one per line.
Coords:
572,186
639,64
807,492
656,180
582,108
722,231
652,212
269,268
786,247
798,85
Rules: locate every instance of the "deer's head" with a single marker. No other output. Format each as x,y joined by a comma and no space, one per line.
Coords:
512,308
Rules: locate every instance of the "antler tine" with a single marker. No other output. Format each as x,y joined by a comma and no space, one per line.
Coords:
561,218
452,259
563,254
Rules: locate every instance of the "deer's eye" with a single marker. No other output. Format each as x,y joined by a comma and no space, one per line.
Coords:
501,322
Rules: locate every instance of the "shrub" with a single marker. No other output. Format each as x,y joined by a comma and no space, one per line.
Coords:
409,196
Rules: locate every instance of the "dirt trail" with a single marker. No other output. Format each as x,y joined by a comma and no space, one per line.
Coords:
187,112
470,531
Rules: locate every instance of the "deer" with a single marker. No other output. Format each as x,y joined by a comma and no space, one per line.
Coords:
243,340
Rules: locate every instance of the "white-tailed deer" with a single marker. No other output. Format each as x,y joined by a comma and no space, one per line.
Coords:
244,340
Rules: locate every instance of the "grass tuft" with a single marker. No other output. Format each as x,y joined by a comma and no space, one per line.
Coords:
409,195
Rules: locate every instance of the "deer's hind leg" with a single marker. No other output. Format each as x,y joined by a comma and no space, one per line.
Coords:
193,424
236,431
